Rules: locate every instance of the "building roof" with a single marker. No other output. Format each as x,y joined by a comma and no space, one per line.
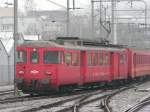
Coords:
56,15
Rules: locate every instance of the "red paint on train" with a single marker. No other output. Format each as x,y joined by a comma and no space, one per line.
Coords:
47,65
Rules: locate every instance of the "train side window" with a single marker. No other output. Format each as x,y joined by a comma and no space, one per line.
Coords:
52,57
138,59
21,56
134,59
101,58
75,60
106,59
95,58
122,58
34,57
68,58
144,59
89,57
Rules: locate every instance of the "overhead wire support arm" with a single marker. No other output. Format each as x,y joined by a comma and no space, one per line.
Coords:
68,13
57,4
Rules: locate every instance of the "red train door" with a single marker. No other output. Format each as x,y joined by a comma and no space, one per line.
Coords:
115,65
34,58
82,66
70,72
134,64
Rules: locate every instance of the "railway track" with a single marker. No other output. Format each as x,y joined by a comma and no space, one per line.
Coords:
21,99
61,104
106,100
78,102
139,106
6,92
38,97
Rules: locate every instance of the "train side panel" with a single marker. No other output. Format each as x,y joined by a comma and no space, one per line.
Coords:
120,65
98,66
140,63
69,72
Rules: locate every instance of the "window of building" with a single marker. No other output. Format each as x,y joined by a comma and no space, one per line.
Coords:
21,56
68,58
34,56
7,27
52,57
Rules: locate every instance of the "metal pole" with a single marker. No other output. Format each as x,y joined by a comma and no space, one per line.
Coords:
9,69
114,25
145,14
101,19
68,19
105,14
15,35
73,4
92,18
112,20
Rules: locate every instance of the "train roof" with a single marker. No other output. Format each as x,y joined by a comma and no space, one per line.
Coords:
69,46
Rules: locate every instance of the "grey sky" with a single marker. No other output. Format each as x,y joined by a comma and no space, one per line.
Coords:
45,5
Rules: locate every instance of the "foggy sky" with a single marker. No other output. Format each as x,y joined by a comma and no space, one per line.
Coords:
45,5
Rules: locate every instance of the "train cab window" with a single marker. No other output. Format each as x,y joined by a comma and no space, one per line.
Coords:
89,57
68,58
95,58
34,57
21,56
75,60
52,57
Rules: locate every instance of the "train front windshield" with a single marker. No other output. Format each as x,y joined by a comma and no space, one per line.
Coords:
52,57
21,56
34,57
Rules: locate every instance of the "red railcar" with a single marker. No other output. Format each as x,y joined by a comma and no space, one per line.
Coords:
51,66
139,63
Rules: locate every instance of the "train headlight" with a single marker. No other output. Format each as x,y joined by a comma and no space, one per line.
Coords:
48,73
21,72
34,72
